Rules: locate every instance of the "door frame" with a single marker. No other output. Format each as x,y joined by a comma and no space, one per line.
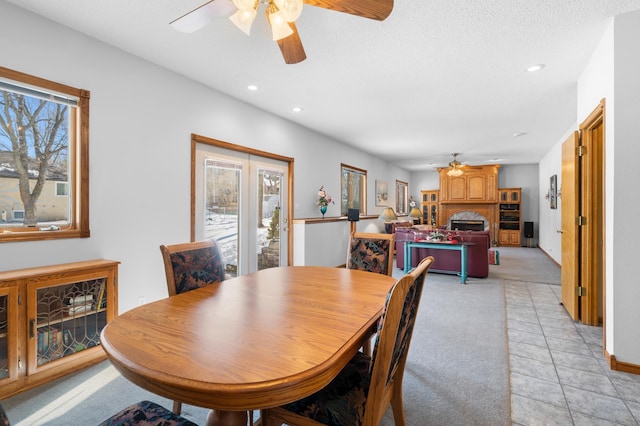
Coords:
196,139
583,221
592,207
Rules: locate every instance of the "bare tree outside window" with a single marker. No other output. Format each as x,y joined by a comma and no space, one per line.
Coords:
35,133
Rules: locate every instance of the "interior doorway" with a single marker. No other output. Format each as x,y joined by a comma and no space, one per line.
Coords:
583,220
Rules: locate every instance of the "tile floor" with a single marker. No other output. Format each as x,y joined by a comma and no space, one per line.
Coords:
557,371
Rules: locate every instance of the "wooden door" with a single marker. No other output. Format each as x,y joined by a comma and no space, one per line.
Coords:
592,207
569,203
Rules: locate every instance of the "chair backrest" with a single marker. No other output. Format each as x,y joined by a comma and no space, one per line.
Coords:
371,252
395,329
191,265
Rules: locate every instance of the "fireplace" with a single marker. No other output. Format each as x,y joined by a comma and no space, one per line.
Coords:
469,218
467,225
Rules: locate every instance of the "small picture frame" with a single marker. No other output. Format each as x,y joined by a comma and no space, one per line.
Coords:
553,192
382,193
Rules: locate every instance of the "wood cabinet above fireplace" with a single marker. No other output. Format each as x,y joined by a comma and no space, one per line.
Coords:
478,184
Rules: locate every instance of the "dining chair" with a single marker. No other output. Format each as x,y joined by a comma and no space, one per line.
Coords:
189,266
361,392
4,420
146,413
371,252
192,265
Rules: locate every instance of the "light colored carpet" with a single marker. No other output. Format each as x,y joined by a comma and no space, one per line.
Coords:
456,373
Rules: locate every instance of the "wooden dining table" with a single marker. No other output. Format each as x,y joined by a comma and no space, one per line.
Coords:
256,341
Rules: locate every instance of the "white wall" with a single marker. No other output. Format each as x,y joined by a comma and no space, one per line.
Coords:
142,117
623,291
551,219
423,181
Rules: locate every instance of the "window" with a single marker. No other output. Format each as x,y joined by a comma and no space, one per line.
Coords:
402,192
353,189
62,189
44,165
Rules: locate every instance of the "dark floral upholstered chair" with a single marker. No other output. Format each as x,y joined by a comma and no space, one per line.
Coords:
371,252
189,266
361,392
4,420
192,265
146,413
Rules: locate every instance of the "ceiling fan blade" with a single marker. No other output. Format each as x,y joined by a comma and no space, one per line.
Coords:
202,15
372,9
291,47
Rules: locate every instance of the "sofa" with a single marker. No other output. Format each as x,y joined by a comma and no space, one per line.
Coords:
447,261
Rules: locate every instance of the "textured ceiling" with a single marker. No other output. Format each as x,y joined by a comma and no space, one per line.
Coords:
435,77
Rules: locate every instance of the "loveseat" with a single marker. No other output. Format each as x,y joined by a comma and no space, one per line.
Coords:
447,260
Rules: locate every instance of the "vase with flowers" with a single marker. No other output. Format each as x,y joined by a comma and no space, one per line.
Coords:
438,235
323,200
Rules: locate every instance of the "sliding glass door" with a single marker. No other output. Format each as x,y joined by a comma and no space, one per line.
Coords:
241,201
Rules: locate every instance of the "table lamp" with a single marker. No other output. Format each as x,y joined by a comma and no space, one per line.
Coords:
415,214
387,215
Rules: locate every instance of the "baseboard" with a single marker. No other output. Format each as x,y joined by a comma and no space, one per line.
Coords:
549,256
616,365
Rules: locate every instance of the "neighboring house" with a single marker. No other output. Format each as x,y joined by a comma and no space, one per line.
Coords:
53,204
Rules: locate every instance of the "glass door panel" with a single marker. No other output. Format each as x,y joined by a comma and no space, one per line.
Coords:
221,189
269,204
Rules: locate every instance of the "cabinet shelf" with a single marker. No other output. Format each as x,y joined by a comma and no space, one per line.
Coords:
63,317
510,219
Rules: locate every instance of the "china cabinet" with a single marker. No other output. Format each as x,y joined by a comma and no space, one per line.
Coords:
50,320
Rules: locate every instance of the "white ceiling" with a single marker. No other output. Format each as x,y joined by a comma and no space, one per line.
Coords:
435,77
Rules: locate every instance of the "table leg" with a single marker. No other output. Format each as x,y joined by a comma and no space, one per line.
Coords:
463,264
227,418
407,257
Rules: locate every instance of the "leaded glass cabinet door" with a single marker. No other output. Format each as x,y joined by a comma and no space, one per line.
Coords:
65,316
8,334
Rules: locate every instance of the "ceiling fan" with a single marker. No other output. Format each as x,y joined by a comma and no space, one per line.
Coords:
455,166
281,15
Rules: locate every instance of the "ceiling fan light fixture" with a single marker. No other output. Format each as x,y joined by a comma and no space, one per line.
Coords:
279,26
455,166
290,9
245,4
455,172
243,19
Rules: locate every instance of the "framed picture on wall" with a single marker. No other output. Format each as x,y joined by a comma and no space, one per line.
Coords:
553,192
382,193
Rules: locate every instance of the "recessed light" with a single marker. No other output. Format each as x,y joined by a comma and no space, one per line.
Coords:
297,109
518,134
252,87
534,68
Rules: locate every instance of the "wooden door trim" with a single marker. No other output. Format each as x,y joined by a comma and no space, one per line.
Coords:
592,206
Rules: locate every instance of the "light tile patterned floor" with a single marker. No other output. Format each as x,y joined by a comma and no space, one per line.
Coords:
557,370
